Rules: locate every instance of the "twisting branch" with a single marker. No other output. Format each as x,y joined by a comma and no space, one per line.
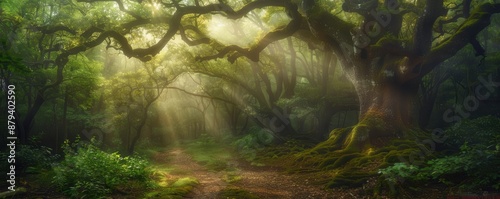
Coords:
234,52
53,29
202,96
466,33
182,31
423,33
145,54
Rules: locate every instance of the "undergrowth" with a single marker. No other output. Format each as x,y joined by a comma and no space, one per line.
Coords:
469,163
88,172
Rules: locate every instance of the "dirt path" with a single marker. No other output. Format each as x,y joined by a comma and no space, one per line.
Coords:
261,181
211,183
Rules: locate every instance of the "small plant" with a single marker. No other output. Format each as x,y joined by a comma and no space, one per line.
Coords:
89,172
398,172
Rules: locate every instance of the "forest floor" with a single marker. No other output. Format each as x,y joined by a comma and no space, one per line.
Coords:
222,172
211,170
239,179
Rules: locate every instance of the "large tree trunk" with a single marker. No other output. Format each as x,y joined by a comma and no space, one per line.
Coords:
385,113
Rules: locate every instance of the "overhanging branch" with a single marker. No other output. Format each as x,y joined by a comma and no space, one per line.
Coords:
422,41
466,33
234,52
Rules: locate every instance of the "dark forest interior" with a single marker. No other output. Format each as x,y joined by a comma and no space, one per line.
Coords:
250,98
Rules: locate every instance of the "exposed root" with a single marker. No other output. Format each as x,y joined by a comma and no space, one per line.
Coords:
353,155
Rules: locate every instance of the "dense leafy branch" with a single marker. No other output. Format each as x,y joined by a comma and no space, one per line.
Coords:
422,38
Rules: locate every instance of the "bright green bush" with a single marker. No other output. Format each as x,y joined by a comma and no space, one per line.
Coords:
90,172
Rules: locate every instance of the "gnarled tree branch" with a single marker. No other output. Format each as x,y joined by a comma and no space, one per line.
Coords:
466,33
422,38
253,52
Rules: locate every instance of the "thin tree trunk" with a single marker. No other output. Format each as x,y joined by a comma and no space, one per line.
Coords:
65,111
30,116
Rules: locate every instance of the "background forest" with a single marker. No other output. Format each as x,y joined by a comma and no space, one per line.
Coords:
323,99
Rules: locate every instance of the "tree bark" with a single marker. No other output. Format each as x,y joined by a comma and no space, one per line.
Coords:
30,116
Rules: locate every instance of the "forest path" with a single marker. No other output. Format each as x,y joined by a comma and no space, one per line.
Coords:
262,182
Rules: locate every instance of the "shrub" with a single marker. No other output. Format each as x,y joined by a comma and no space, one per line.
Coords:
30,158
481,133
91,173
256,138
472,167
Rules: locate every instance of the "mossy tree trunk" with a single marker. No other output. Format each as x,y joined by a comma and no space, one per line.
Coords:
385,113
385,70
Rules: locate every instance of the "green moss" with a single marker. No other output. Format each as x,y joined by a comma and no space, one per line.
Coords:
349,157
182,182
328,161
344,159
231,177
236,193
179,189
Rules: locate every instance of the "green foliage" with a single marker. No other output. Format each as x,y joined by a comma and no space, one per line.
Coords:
474,167
91,173
39,157
398,172
478,166
30,158
255,140
482,133
471,170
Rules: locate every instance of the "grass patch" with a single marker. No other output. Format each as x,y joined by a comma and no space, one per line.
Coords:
213,155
